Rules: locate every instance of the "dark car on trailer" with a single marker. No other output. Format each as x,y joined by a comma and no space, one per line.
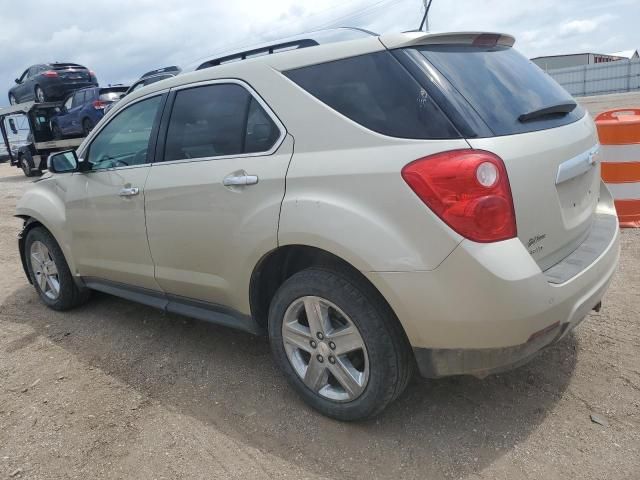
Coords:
47,82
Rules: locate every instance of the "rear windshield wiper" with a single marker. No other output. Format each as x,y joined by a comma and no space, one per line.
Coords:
560,108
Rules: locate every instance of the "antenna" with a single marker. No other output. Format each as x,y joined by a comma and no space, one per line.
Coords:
425,18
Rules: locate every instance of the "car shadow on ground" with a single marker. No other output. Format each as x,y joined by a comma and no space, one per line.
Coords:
448,427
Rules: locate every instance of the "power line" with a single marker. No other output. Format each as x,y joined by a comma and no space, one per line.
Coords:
353,16
361,13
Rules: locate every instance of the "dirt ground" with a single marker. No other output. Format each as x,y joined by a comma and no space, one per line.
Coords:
119,390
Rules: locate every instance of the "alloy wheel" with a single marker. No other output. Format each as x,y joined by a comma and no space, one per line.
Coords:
325,349
40,95
45,270
12,100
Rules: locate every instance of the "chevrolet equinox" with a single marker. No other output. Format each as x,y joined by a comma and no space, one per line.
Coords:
375,205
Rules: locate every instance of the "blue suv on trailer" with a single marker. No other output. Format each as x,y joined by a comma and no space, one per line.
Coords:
83,109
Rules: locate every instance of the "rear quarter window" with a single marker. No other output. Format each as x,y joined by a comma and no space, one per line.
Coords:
501,85
375,91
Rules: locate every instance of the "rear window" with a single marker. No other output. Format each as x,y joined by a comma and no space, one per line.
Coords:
64,66
501,85
375,91
110,96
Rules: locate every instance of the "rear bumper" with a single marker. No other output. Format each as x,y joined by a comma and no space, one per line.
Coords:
489,307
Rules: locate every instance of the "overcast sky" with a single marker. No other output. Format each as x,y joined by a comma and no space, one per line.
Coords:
120,39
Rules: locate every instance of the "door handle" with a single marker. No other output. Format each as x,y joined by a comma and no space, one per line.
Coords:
129,191
240,180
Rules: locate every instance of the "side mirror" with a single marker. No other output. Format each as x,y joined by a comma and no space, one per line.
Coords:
18,81
12,126
63,162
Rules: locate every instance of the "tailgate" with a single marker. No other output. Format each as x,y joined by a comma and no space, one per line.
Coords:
555,182
547,142
70,71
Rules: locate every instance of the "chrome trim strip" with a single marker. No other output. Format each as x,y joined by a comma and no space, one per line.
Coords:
258,98
577,165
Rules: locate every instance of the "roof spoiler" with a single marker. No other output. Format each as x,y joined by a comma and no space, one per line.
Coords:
414,39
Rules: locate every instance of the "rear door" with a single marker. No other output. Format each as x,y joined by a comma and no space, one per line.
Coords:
213,198
547,142
69,123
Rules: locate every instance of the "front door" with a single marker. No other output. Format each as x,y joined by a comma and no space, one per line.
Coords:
24,91
213,198
105,202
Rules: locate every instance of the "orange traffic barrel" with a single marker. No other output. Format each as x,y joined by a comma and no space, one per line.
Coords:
619,132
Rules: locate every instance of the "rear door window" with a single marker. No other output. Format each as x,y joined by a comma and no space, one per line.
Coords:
78,99
217,120
501,85
375,91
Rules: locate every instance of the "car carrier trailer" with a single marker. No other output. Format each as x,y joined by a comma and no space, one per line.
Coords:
32,156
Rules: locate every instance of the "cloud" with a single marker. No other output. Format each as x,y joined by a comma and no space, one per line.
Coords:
578,26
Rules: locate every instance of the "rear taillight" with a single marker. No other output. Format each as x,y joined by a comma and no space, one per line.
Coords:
469,190
50,73
99,104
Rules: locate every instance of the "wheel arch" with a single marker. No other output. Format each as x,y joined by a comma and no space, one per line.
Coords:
29,224
44,207
281,263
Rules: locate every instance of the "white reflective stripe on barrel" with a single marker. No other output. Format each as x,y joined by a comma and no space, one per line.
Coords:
619,153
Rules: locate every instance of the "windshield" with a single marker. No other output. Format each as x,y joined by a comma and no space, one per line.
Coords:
502,85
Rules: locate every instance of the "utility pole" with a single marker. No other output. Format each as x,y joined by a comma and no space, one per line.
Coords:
425,18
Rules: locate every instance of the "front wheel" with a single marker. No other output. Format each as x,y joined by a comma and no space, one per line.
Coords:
12,99
339,345
50,273
87,126
56,132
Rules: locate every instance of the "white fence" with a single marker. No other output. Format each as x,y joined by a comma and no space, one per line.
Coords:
598,79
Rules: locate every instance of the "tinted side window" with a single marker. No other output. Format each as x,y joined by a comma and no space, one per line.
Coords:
217,120
261,132
78,99
375,91
125,139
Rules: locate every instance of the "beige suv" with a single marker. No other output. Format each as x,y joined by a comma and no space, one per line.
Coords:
371,205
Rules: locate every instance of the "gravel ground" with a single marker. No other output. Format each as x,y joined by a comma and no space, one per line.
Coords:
119,390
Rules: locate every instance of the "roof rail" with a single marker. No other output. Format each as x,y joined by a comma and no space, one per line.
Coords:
172,68
310,39
256,52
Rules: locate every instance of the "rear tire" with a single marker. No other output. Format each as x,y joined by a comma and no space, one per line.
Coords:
25,165
40,96
44,257
347,302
